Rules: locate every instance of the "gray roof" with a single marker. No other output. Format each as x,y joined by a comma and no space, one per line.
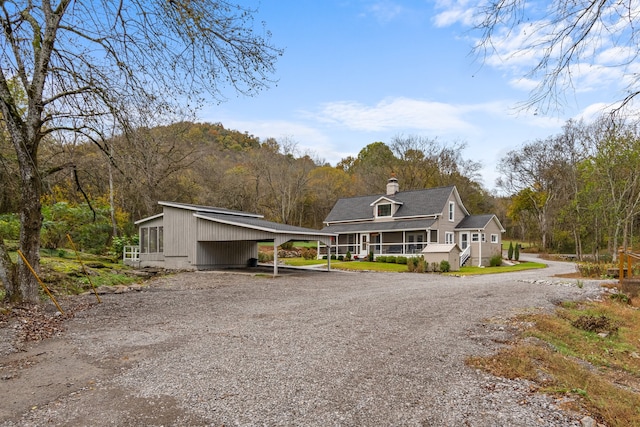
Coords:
210,209
261,224
476,222
415,203
369,226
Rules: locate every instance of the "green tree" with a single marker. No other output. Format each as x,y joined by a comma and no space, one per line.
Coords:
510,251
87,65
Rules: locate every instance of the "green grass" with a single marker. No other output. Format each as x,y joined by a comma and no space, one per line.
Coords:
468,271
402,268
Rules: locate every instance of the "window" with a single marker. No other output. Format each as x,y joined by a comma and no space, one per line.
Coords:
384,210
151,239
474,237
448,237
452,210
484,237
433,236
494,238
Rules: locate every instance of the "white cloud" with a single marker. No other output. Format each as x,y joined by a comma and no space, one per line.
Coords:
393,113
454,12
386,11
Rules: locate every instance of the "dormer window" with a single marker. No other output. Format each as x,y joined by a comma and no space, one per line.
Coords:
383,210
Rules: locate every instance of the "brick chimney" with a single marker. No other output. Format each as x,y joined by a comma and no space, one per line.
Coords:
392,185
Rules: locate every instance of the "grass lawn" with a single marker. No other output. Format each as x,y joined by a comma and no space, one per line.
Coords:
402,268
468,271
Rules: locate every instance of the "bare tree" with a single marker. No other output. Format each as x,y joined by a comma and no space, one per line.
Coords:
85,64
565,40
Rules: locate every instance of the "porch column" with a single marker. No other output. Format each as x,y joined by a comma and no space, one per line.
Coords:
479,248
404,243
275,257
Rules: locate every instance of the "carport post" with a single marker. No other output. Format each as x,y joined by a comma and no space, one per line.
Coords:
329,257
275,258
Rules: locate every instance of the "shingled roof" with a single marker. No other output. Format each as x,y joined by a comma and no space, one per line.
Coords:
415,203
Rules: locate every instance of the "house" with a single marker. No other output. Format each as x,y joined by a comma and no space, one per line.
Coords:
405,222
193,237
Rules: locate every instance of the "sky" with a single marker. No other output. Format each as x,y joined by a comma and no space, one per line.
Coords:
356,72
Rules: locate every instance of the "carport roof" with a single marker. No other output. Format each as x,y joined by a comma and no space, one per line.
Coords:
263,225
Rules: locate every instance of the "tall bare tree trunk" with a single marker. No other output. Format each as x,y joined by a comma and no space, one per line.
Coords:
30,225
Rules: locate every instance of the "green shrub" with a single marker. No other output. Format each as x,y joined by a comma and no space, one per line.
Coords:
445,266
391,259
287,246
340,257
401,260
9,227
371,256
422,266
516,252
347,257
435,267
265,257
324,257
510,251
381,258
495,261
333,256
309,253
412,264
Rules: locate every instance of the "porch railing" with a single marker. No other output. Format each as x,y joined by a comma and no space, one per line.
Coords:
131,255
464,255
407,249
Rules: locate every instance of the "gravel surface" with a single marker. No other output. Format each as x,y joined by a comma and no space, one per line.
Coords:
305,348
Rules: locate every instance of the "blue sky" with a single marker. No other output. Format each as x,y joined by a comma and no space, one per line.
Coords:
360,71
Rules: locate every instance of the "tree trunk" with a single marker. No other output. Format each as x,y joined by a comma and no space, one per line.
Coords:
7,272
30,225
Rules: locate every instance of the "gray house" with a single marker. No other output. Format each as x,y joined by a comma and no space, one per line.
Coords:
192,237
405,222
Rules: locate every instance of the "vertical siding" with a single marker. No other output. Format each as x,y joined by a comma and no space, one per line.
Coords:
225,254
179,232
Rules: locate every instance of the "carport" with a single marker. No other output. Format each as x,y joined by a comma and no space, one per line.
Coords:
194,237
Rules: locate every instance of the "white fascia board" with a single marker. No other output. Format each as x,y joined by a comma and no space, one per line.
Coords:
209,209
149,218
395,202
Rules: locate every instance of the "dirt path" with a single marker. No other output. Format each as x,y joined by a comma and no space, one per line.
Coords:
308,348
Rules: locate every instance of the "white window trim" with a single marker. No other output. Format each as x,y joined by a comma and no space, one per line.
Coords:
449,237
384,216
452,211
475,237
494,238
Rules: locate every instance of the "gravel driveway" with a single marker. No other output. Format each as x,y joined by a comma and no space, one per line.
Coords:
303,349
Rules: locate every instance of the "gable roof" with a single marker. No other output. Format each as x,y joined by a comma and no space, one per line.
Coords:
477,222
412,204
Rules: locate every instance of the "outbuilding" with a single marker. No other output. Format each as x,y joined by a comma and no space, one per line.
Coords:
194,237
438,252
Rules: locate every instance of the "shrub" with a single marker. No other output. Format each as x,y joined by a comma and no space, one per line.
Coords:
412,264
516,252
347,257
340,257
401,260
510,251
287,246
265,256
333,256
381,258
391,259
9,226
422,266
495,261
324,257
370,256
435,267
309,253
445,266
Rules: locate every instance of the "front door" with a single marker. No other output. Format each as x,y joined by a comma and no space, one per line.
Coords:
364,244
464,240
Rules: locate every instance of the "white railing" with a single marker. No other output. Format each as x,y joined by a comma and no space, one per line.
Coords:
131,254
464,255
